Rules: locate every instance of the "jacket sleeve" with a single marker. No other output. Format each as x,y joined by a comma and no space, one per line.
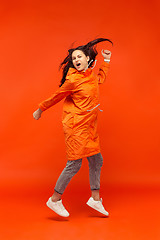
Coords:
65,90
103,71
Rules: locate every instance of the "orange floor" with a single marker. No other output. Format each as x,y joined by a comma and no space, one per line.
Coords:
134,214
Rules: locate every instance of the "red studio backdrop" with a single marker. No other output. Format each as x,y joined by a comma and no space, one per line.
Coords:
34,38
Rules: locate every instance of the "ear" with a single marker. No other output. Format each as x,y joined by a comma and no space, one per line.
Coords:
87,58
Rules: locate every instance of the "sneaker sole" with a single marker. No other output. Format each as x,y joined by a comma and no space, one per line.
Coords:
55,210
97,209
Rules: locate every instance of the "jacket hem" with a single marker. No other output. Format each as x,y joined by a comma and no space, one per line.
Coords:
83,156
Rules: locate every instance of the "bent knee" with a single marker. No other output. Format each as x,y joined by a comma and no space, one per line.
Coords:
73,166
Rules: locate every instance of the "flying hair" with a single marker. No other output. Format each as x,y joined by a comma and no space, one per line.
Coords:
88,49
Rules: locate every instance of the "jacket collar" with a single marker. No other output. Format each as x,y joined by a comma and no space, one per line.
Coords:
75,71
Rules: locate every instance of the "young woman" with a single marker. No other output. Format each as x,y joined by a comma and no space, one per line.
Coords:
79,87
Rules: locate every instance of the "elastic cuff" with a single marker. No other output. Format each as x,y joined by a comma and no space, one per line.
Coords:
41,107
57,191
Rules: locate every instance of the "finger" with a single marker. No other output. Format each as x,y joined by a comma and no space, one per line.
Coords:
107,52
34,116
103,53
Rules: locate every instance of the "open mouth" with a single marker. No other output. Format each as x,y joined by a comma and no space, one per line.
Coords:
78,64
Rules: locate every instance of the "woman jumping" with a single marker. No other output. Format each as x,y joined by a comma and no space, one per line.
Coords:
79,87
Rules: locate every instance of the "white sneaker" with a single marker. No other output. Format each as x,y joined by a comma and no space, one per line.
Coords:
97,205
57,207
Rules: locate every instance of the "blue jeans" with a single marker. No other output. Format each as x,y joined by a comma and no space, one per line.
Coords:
72,167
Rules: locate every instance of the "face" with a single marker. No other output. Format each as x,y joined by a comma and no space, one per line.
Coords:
79,60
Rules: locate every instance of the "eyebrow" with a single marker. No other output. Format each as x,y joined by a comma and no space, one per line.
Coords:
79,55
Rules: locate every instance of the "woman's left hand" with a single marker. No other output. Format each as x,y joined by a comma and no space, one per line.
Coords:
106,54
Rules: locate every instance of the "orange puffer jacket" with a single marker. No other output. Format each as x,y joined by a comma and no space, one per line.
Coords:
80,110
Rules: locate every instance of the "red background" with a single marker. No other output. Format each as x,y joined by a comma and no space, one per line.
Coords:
34,39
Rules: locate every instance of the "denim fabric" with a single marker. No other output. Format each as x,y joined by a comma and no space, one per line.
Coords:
72,167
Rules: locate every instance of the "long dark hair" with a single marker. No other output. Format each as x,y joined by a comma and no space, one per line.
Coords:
89,50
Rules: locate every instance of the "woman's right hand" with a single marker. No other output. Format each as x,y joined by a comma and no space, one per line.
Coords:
37,114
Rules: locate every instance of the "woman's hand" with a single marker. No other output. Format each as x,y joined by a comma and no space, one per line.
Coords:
106,54
37,114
